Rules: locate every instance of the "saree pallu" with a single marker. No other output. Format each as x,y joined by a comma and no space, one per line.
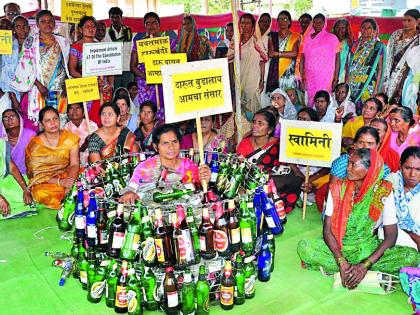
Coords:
32,66
345,56
363,71
390,156
265,157
281,71
122,144
44,162
8,65
397,68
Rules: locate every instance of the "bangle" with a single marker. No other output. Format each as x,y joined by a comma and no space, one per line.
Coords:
367,263
341,260
58,181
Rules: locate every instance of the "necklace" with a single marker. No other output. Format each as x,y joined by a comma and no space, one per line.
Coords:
56,141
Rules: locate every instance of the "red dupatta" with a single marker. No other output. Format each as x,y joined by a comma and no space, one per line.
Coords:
343,200
390,156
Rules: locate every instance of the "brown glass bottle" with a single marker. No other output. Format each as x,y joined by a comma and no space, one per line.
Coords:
116,233
206,233
227,287
170,292
101,228
221,231
163,243
184,241
234,230
121,298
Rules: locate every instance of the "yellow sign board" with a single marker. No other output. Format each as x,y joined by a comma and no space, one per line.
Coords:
309,143
198,90
82,90
153,46
73,11
153,64
6,42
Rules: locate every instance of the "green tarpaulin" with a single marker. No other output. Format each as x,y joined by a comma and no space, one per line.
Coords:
29,285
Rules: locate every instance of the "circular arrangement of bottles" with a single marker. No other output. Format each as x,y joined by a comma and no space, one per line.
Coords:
173,253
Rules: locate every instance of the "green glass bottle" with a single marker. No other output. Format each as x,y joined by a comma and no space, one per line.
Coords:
194,232
66,213
202,289
91,268
250,277
99,283
134,293
236,180
111,284
150,289
82,264
148,249
176,194
75,254
187,294
245,224
239,295
132,236
222,177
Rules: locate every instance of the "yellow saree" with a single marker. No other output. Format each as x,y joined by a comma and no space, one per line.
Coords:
44,162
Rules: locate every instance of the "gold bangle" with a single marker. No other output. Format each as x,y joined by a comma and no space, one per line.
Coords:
367,263
341,260
58,181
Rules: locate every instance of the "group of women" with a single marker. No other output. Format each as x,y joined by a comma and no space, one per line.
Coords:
371,191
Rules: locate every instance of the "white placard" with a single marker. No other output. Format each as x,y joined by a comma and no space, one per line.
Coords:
196,89
309,142
104,58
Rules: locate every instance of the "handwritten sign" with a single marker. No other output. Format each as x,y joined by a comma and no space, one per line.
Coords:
102,59
153,64
309,143
82,90
6,41
196,89
153,46
73,11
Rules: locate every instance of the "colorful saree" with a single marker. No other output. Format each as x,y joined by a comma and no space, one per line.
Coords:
48,65
122,144
265,157
195,46
396,66
413,139
8,65
390,156
352,223
44,162
364,77
281,73
319,61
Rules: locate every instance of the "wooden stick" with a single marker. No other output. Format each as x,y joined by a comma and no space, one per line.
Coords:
201,148
87,117
76,30
305,194
157,96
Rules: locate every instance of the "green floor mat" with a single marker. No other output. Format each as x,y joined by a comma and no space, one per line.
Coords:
29,285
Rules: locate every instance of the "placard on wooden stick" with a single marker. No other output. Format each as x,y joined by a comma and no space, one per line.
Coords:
309,143
153,46
104,58
73,11
196,89
154,63
82,90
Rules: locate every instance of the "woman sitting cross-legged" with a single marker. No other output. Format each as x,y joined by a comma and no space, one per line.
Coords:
355,207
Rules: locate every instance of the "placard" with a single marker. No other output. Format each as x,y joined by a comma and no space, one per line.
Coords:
309,143
153,46
104,58
196,89
6,42
153,64
82,90
73,11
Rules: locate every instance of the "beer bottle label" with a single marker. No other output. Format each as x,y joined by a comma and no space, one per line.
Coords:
97,289
60,213
185,246
226,295
190,219
235,235
213,177
83,276
270,222
136,242
182,247
91,231
148,249
172,298
121,297
132,301
80,222
221,241
246,235
103,237
118,239
203,246
250,285
159,250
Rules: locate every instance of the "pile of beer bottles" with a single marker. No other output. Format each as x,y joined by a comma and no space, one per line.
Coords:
175,257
